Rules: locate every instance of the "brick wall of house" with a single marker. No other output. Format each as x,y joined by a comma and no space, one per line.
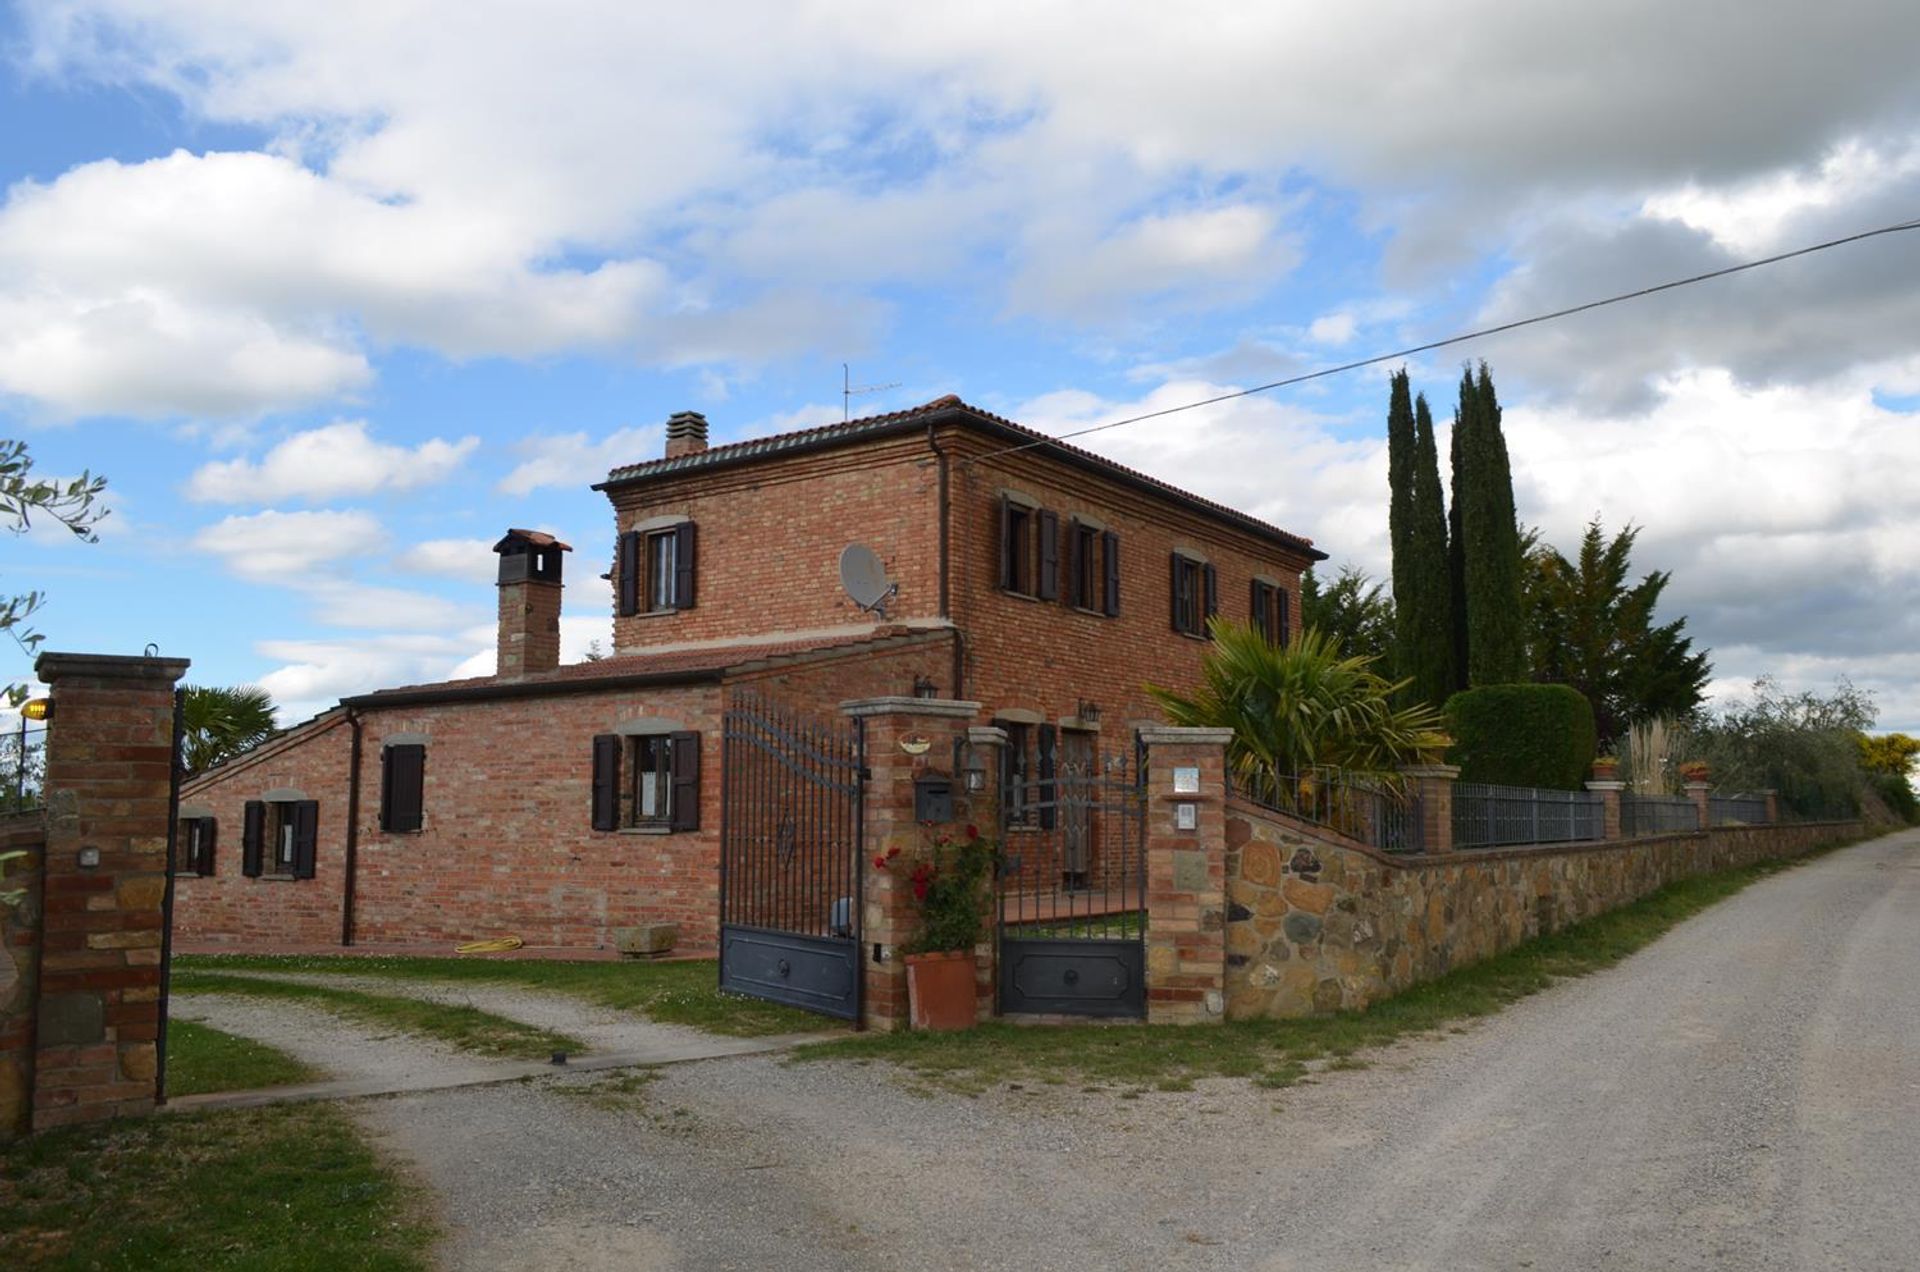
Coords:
769,539
226,907
1047,656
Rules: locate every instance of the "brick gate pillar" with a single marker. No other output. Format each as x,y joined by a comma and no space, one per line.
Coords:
1186,874
1609,793
1432,785
906,738
1699,792
109,800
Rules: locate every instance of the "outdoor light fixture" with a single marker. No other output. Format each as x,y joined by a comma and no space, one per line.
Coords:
1089,712
37,709
925,688
976,773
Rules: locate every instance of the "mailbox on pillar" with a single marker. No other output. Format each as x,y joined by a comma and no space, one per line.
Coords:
933,798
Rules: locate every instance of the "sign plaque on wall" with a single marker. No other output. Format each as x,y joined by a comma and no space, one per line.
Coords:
1186,781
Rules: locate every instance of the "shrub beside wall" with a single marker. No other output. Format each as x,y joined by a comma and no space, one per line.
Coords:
1522,735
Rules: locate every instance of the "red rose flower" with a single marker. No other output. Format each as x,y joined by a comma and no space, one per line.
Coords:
973,832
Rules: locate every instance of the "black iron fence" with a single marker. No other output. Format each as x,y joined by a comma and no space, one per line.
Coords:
1736,810
23,766
1486,816
1359,808
1657,815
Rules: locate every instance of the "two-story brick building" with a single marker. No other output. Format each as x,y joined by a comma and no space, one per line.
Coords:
558,803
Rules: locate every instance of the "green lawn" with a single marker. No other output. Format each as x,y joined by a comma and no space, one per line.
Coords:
202,1059
680,993
467,1028
1135,1058
285,1189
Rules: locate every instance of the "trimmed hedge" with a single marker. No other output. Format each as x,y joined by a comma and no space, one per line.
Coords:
1522,735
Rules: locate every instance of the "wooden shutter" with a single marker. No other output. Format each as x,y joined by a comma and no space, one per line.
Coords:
1257,608
1070,581
606,782
209,837
1211,578
627,572
683,563
1179,580
685,804
1047,587
1110,557
403,787
1048,737
1007,575
253,834
1283,604
306,837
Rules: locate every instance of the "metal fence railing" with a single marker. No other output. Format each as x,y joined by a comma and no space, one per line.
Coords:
1360,809
1657,815
1486,816
1736,810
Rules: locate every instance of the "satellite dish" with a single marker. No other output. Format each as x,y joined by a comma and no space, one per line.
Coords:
864,575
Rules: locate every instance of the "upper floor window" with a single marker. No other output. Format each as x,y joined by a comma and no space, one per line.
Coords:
1029,550
654,570
1093,568
1195,595
1272,611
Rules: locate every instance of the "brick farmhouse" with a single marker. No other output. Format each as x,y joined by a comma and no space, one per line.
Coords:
560,803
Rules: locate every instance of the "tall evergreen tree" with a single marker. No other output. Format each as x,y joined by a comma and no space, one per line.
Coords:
1351,612
1457,547
1425,636
1496,627
1401,445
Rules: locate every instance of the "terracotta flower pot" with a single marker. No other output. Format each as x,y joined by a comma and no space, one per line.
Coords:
1605,770
940,990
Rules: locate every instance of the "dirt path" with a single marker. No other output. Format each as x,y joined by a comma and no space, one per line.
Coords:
1743,1094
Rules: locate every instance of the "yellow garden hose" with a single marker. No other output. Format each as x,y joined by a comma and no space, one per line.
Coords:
498,945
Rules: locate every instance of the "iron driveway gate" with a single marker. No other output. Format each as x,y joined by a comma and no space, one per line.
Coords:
1072,890
790,837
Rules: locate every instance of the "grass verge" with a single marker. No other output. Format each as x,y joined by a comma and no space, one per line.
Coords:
681,993
202,1059
467,1028
292,1188
1277,1053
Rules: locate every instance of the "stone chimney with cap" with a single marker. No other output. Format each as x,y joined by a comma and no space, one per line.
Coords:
686,434
530,585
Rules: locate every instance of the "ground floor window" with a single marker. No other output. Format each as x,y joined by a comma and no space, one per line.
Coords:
648,781
280,838
194,846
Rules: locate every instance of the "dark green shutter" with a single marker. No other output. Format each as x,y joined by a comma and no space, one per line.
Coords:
1047,587
306,837
1007,574
402,788
1257,609
606,782
685,806
1179,580
253,834
209,836
627,571
1072,567
683,565
1283,603
1211,578
1110,555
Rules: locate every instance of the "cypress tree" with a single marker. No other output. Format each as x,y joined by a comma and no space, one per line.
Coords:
1400,520
1426,637
1457,539
1496,625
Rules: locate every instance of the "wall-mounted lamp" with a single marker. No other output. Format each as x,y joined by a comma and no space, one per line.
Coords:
1089,712
976,773
37,709
923,687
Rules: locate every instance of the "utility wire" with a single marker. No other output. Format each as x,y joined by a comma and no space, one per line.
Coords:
1459,339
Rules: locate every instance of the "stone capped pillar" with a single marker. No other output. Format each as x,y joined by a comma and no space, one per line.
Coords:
1432,785
1773,806
1609,793
1698,793
109,787
905,738
1186,874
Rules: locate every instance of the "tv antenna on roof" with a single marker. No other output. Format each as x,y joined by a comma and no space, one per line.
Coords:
864,575
848,391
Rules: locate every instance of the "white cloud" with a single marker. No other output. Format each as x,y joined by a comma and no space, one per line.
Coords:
326,463
571,459
314,674
468,560
1186,259
1332,329
290,549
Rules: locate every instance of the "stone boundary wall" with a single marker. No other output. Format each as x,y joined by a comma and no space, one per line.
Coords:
1316,922
19,968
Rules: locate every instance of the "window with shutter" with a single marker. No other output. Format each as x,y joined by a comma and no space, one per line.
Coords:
403,788
1283,614
1194,589
685,802
1110,560
683,565
253,831
606,782
1017,535
1211,579
306,837
1047,585
1259,608
626,570
194,844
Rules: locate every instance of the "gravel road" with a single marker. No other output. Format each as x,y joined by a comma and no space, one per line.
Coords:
1744,1094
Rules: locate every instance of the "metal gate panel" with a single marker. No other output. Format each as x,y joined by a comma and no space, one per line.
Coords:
1072,888
790,850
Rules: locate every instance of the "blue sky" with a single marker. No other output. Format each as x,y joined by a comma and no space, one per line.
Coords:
335,296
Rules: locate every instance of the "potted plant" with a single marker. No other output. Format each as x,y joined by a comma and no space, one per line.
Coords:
951,893
1606,768
1692,771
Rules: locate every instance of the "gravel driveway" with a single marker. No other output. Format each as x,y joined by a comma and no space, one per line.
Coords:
1743,1094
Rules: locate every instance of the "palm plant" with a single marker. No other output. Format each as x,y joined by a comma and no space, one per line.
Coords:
218,724
1301,708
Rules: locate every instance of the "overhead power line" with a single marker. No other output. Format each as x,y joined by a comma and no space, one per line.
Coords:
1463,337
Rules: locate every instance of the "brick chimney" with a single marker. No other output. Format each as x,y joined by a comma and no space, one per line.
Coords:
529,603
686,434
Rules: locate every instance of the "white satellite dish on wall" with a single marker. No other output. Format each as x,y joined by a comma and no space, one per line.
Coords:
864,575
